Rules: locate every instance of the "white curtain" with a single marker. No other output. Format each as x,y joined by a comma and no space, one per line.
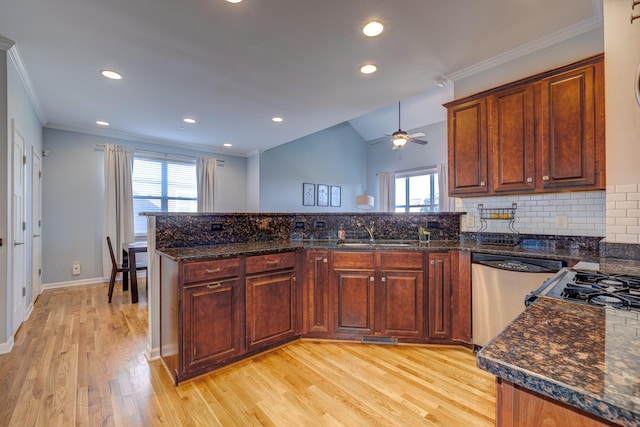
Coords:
387,186
447,204
118,203
206,173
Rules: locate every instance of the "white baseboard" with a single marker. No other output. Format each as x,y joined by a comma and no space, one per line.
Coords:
70,283
152,353
6,347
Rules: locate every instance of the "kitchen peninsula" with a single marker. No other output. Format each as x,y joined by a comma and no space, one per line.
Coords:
289,261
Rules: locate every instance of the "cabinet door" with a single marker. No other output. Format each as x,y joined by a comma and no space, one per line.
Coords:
213,328
402,304
317,308
571,129
467,148
354,301
511,135
271,308
460,296
439,298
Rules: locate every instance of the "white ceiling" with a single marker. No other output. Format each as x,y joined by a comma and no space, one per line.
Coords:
234,66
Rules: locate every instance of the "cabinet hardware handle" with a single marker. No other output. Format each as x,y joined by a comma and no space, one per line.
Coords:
214,286
482,184
214,270
271,263
545,178
384,279
529,179
324,260
433,262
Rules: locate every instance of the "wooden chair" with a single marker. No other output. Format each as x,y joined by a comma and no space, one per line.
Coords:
115,269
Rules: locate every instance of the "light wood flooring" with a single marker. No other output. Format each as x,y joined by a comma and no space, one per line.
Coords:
80,361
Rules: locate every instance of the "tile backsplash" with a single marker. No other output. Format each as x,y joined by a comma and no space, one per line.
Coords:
569,214
623,213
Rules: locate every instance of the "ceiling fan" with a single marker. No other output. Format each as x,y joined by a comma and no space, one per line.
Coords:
400,137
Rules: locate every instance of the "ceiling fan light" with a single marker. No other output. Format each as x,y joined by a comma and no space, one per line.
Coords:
399,138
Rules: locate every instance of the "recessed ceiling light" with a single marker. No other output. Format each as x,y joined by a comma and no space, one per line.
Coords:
368,69
102,123
110,74
189,120
277,119
226,144
372,29
234,1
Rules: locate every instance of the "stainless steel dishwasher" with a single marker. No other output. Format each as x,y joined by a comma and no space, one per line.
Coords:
499,285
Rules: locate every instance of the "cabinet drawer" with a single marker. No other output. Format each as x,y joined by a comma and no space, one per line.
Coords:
262,263
349,260
211,270
401,260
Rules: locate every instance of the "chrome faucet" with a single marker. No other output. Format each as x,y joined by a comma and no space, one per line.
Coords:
369,229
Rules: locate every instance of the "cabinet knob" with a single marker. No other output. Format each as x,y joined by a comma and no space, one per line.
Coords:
482,183
545,177
529,179
384,279
214,285
325,260
372,279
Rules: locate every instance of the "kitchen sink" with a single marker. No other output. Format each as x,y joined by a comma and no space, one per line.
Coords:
374,244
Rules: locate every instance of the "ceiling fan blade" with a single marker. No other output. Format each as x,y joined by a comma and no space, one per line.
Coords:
417,135
419,141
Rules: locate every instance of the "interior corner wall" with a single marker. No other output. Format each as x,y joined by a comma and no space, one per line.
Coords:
334,156
5,321
622,75
253,183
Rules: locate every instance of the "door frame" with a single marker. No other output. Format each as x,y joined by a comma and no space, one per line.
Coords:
18,231
36,225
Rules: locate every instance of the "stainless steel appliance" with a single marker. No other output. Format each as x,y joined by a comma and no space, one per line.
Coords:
592,287
499,286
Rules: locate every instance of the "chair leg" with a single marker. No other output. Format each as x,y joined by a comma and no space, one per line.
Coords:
112,282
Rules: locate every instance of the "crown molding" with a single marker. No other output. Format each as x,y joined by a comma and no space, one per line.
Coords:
5,43
25,78
534,46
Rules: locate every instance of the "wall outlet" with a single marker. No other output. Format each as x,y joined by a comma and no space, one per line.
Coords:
562,221
76,268
469,221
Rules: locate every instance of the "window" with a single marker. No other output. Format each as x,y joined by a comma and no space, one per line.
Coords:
417,191
162,186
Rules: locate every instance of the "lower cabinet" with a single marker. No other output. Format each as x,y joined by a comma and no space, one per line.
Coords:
353,282
317,308
270,300
439,296
213,328
517,406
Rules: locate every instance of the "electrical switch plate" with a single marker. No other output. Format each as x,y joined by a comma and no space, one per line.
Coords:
76,268
299,224
216,226
562,221
470,221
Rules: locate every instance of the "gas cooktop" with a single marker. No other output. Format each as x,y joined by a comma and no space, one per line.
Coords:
592,287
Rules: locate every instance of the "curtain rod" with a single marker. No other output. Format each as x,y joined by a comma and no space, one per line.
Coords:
421,168
164,154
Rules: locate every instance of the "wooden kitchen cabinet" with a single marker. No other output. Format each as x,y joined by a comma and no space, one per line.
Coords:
461,297
270,299
544,133
379,293
439,296
402,294
570,125
317,308
202,322
353,277
517,406
467,148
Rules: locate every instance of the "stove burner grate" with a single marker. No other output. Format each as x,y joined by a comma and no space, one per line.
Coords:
603,291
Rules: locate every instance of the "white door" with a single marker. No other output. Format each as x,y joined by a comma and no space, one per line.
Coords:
18,221
36,221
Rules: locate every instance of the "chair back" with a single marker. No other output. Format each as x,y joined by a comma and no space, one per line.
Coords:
113,258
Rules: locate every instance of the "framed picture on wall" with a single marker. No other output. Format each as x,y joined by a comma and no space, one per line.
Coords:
323,195
335,195
308,194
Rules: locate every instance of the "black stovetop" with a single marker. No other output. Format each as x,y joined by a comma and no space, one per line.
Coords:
592,287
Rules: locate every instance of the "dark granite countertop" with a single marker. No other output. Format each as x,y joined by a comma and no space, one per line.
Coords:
253,248
586,356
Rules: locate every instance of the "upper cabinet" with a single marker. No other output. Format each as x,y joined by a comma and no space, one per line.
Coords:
541,134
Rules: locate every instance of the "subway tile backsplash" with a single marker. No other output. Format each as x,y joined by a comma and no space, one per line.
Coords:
543,214
623,213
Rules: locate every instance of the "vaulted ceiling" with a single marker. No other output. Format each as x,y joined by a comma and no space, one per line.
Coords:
233,67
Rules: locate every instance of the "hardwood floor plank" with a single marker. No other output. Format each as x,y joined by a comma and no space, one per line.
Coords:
80,361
